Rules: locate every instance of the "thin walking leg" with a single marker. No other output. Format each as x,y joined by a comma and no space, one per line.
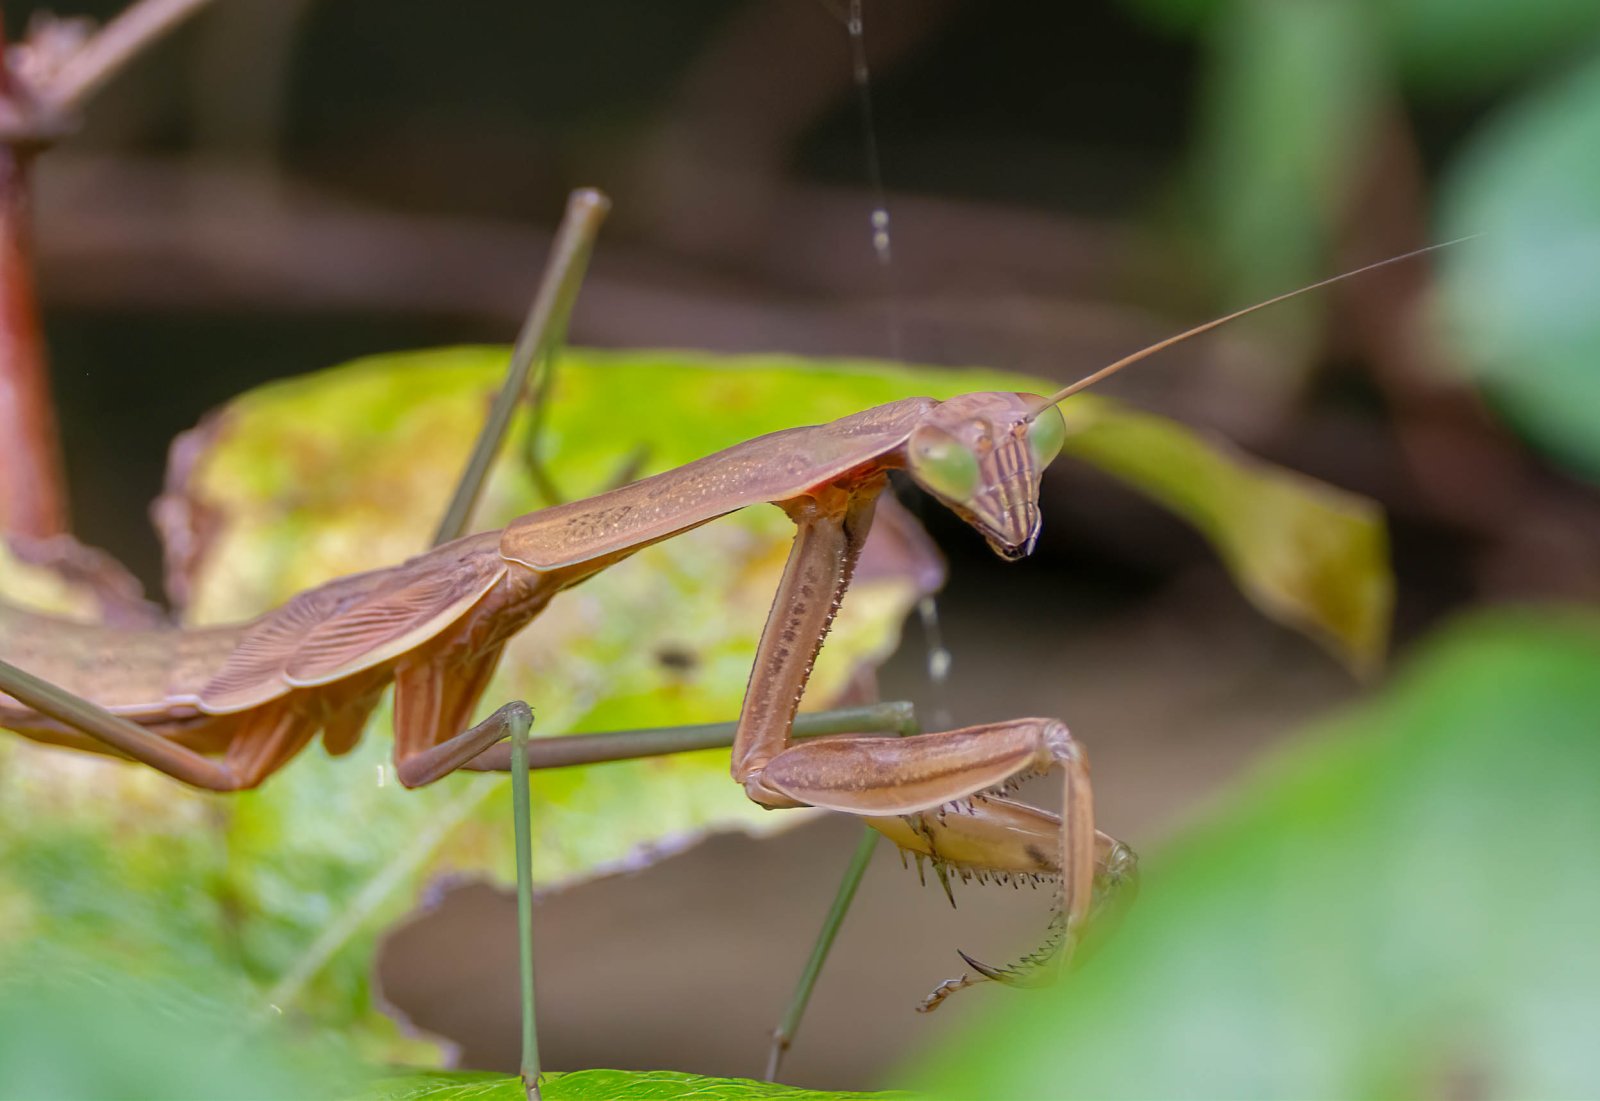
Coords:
178,761
783,1035
521,809
854,872
542,333
575,749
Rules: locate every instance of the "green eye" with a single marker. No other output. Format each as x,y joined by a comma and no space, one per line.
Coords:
1046,435
944,466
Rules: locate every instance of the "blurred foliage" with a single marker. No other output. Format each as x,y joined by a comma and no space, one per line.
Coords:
1459,46
600,1085
1442,46
34,586
1400,905
1521,301
1297,105
82,1026
289,885
1287,101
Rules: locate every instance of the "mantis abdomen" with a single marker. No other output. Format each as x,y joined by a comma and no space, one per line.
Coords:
143,673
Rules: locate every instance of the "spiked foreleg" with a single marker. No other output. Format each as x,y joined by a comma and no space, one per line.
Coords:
942,772
998,837
939,784
877,777
832,530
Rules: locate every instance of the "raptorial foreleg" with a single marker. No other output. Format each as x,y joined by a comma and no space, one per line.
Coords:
931,778
944,789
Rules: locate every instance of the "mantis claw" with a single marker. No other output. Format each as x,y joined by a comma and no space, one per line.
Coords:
993,973
1040,968
1116,883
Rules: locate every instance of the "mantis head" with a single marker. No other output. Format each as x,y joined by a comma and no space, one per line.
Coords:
982,456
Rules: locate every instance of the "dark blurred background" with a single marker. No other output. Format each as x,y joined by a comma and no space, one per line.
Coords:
285,184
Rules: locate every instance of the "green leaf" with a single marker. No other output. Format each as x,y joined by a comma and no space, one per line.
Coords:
600,1085
84,1026
1401,905
1520,300
289,886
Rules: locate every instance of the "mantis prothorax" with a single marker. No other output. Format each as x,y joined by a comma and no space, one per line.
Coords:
223,708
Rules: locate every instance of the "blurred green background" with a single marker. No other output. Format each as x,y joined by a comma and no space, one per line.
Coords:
1390,902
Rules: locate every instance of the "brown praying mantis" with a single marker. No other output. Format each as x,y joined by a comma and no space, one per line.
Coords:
223,708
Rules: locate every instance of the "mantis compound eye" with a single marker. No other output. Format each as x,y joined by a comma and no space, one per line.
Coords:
943,465
1046,435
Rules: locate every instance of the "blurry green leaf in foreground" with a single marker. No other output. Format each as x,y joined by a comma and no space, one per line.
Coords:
73,1028
1402,906
1522,300
601,1085
346,470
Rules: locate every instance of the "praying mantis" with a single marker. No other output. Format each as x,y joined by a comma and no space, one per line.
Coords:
223,708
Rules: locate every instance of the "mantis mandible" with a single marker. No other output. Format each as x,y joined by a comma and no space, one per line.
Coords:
223,708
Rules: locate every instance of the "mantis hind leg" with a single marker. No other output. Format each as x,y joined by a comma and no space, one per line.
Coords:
265,740
260,741
117,733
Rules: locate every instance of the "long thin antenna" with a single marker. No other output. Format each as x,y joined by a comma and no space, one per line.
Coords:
1161,345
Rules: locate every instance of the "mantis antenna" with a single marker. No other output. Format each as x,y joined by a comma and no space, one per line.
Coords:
1216,323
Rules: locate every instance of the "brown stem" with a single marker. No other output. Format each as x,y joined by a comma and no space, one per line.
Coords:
33,498
108,52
